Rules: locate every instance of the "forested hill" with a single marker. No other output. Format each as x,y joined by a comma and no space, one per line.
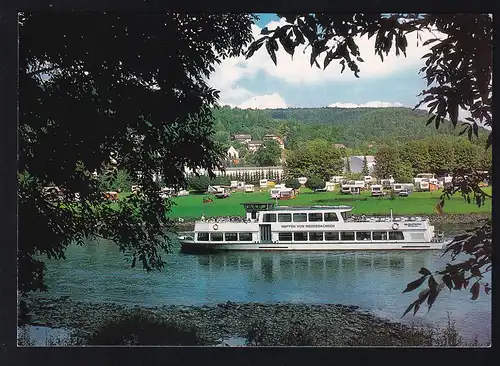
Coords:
351,126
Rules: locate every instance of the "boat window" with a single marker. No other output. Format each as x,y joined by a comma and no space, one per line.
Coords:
379,235
285,236
396,235
332,235
284,217
331,216
231,236
316,216
346,215
269,217
202,236
245,236
299,217
363,235
300,236
316,236
347,235
216,237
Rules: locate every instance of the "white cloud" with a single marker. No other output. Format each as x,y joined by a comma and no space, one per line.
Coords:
372,104
264,101
299,71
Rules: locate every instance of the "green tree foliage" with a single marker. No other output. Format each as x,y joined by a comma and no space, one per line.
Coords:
314,183
347,165
386,160
365,170
403,172
200,183
292,183
268,154
316,158
132,86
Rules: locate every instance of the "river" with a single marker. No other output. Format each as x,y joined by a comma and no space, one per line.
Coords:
98,272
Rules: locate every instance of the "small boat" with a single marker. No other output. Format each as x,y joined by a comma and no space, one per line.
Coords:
313,228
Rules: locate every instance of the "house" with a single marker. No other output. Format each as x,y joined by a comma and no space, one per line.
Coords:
254,145
242,138
232,153
278,139
356,163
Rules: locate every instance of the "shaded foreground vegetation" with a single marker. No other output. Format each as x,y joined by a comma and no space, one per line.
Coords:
258,324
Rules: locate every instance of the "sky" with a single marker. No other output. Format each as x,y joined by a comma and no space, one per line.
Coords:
258,83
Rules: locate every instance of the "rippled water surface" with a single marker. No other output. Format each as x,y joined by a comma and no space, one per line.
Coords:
371,280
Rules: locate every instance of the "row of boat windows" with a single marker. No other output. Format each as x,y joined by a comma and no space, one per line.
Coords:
300,217
226,236
342,235
304,236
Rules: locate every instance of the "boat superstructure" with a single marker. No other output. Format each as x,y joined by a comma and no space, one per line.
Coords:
268,227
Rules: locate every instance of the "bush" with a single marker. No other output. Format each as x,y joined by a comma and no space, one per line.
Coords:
314,183
393,195
199,184
142,329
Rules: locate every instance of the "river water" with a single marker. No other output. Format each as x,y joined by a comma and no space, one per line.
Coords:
374,281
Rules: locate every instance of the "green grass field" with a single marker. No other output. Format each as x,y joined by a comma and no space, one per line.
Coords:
418,203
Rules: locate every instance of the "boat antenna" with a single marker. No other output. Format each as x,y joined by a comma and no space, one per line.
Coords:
391,214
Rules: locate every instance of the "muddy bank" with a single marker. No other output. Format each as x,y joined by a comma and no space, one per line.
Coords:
332,324
465,219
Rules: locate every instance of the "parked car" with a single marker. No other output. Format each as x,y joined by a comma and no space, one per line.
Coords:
403,193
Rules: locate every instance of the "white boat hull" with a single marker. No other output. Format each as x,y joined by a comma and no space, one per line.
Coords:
191,246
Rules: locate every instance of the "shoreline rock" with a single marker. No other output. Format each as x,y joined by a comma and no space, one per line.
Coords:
339,324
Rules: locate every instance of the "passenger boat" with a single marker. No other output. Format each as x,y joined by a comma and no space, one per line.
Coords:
269,227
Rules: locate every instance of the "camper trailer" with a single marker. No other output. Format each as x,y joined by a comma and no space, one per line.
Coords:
286,194
279,193
249,188
387,183
377,190
350,189
337,179
263,183
368,179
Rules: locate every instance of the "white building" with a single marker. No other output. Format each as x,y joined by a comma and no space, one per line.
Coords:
232,153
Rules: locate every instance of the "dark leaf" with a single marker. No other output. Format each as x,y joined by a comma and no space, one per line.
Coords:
265,31
476,129
409,308
447,281
415,284
271,52
359,59
429,41
424,271
475,291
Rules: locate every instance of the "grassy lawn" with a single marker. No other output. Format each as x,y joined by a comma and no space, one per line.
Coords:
421,203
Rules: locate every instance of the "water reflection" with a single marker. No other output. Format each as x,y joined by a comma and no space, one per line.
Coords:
270,267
